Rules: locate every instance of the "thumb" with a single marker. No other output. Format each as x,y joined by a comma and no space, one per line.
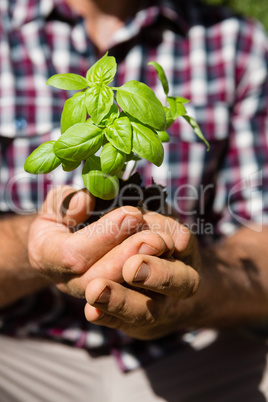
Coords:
66,205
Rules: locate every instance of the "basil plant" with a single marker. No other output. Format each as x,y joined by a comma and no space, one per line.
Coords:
122,124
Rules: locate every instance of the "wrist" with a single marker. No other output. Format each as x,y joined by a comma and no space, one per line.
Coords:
17,277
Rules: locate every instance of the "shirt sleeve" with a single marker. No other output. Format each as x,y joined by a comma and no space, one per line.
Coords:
243,179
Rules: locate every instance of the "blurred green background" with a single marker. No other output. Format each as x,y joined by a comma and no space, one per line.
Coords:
254,8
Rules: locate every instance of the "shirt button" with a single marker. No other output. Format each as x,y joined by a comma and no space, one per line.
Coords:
20,123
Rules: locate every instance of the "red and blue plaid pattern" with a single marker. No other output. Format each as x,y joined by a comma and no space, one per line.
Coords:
217,60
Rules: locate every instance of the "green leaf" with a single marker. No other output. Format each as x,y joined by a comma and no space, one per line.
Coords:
140,101
169,116
163,135
110,116
98,183
74,111
92,163
42,159
79,142
175,110
147,144
101,185
68,166
119,134
99,99
67,81
181,111
196,129
103,71
179,99
112,160
161,75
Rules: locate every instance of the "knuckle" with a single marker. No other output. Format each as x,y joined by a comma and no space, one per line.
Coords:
152,316
169,242
195,284
104,231
118,223
165,280
192,280
113,271
74,289
121,308
124,310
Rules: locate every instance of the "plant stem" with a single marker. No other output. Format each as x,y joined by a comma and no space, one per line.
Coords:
128,170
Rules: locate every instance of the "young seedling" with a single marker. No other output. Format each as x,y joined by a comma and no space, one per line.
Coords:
123,124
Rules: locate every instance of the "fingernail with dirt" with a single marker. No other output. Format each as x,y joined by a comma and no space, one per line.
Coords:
104,297
142,273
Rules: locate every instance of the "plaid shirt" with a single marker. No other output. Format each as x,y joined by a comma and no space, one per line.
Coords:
215,59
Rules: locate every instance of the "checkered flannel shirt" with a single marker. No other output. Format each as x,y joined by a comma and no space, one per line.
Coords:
217,60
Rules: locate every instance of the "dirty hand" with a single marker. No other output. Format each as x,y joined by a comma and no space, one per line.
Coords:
159,268
63,255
